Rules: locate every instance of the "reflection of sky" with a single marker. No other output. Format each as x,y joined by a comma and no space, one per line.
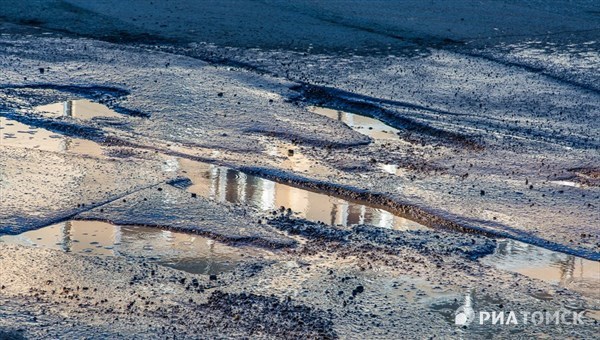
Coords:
73,236
520,252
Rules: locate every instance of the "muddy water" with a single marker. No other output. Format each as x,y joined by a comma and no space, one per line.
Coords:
191,253
227,185
567,271
371,127
224,184
80,109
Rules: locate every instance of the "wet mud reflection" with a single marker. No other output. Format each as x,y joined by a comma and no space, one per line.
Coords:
190,252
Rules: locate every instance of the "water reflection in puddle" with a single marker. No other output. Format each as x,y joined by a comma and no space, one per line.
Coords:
567,271
228,185
81,109
13,133
224,184
188,252
371,127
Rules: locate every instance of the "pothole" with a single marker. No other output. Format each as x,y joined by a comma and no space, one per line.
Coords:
187,252
82,109
566,271
371,127
224,184
228,185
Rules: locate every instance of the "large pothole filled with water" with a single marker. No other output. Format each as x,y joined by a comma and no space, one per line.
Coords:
188,252
198,254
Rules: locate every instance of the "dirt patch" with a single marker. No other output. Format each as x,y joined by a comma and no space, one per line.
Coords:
260,315
370,240
587,176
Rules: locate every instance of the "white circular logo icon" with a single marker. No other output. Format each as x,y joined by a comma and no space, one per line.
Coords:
465,314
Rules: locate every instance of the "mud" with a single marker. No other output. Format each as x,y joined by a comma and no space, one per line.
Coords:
41,187
373,240
438,177
173,304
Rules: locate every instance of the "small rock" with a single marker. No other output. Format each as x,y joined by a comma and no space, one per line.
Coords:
358,290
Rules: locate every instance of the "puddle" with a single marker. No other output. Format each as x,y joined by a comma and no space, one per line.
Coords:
187,252
81,109
567,271
228,185
224,184
13,133
365,125
371,127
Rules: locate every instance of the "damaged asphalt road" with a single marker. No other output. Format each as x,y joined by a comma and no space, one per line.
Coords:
344,176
